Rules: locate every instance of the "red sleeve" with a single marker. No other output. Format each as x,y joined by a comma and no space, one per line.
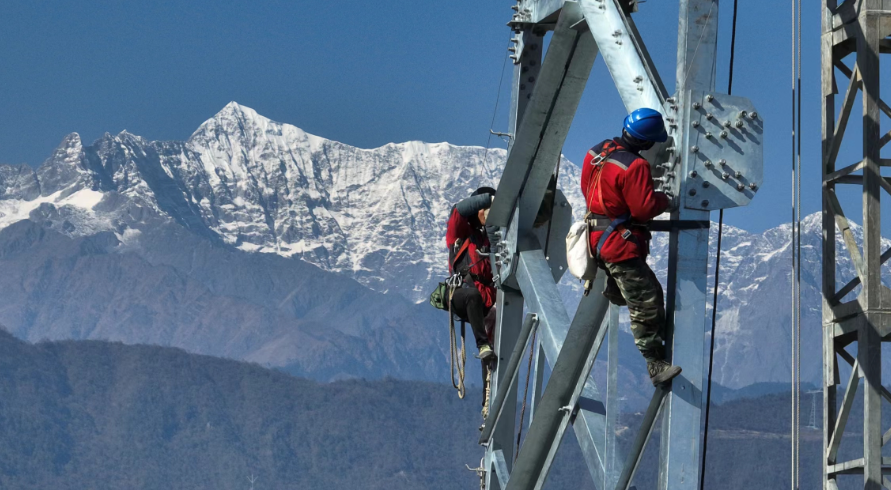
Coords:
458,228
643,202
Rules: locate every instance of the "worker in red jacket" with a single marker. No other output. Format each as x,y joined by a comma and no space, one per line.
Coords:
468,245
618,189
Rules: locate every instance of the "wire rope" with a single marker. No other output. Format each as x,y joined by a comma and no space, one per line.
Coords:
497,100
711,358
795,245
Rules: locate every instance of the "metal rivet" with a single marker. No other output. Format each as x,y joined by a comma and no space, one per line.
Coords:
709,116
753,115
705,203
740,187
753,186
695,124
725,176
743,113
739,124
727,124
708,163
670,100
708,134
693,174
706,184
709,97
723,134
694,149
563,204
692,192
722,162
696,105
738,174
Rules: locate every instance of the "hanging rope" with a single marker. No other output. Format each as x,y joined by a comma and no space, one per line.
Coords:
711,356
456,360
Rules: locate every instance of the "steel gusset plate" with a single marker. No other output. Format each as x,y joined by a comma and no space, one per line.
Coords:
723,150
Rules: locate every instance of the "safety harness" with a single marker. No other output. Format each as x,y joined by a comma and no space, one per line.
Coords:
598,222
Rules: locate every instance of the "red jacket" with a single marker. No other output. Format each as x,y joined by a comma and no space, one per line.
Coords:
460,228
627,186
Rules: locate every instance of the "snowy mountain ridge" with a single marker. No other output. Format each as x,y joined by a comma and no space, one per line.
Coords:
376,215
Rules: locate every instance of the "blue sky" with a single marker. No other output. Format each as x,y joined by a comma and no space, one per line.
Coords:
364,73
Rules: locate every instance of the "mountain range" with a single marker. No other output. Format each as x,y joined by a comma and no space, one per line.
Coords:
258,241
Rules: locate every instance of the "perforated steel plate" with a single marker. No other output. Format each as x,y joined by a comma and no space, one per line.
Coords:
723,150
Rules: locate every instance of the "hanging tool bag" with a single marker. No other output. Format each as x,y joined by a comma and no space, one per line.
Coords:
439,298
579,256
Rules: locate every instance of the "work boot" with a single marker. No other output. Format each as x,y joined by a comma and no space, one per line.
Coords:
662,371
486,352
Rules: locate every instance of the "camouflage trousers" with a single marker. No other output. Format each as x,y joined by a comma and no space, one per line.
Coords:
632,282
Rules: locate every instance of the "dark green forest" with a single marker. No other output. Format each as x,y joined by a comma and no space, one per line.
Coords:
98,415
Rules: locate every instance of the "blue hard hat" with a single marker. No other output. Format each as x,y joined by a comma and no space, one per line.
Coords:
646,124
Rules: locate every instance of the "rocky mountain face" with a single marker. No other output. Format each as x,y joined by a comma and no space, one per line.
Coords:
261,186
240,213
187,292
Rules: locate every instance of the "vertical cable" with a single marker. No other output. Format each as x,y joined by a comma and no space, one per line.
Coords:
711,357
792,249
795,244
497,100
798,273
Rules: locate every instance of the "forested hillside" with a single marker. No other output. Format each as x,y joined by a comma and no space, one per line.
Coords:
98,415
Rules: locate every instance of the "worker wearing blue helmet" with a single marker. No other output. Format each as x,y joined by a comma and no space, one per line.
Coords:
618,188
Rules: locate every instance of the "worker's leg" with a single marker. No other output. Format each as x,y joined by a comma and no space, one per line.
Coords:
612,291
467,303
646,306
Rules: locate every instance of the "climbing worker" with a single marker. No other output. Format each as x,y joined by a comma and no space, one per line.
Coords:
618,189
468,246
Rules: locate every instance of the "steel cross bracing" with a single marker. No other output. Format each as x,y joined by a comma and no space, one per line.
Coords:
854,35
712,161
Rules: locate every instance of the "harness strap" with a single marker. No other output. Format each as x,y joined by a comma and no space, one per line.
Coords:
461,250
615,221
613,226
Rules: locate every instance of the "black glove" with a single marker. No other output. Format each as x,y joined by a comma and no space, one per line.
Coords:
494,238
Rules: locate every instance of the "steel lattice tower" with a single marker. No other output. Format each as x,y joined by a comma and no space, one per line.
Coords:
855,29
712,161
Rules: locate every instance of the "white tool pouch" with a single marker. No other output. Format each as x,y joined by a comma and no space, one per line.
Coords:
579,257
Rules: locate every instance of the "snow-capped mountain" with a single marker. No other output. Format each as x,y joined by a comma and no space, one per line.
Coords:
376,215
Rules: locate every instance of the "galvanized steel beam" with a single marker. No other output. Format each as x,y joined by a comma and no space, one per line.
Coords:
544,300
546,119
511,370
862,27
568,377
688,264
625,55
